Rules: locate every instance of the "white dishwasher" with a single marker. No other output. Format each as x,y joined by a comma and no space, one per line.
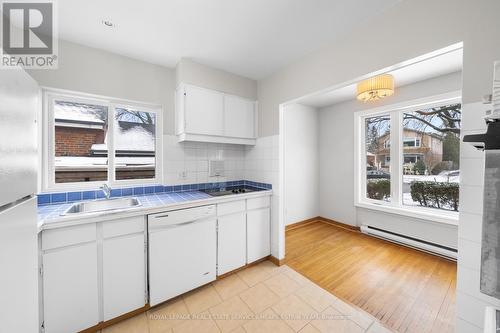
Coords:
182,251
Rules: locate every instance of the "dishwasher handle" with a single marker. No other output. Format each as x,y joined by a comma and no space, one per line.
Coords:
155,227
181,216
160,216
175,225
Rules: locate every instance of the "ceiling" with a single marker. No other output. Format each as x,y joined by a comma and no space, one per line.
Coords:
433,67
252,38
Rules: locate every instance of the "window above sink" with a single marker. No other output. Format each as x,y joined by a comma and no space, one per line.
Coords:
89,140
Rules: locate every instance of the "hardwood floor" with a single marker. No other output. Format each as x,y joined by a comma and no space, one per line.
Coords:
407,290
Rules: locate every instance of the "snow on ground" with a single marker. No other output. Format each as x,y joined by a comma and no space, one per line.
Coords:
431,178
408,201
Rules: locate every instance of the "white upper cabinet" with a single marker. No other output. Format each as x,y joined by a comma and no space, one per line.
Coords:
204,111
210,116
239,117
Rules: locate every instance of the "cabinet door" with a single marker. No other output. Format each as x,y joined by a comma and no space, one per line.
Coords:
70,288
204,111
239,117
258,234
231,242
124,275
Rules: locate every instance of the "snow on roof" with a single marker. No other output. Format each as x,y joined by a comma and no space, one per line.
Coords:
130,138
100,163
134,138
73,112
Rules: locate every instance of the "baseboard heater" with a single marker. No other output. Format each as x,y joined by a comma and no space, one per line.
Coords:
416,243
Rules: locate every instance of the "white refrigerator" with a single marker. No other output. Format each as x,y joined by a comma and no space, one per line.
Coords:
19,309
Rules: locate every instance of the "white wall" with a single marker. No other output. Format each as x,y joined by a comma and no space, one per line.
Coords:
336,163
412,28
188,71
94,71
300,124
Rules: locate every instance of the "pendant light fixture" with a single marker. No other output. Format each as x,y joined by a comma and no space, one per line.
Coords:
375,88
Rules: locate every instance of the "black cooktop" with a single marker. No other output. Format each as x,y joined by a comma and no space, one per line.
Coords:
230,190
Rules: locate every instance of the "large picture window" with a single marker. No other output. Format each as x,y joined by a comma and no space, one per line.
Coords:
95,140
410,156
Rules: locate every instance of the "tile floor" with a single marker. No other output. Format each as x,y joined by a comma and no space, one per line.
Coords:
262,298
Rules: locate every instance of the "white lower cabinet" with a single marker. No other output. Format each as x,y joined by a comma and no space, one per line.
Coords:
70,288
231,242
95,272
92,273
258,234
124,280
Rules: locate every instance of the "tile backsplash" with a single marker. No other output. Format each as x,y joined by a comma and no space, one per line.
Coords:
61,197
188,162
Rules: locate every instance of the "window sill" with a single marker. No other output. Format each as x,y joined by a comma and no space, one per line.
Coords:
449,218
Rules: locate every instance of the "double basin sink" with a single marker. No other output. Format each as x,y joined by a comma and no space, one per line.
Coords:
87,207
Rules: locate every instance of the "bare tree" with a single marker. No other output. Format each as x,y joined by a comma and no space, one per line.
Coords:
134,116
442,119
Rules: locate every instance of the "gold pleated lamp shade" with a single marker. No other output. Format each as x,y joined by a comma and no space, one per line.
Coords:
375,88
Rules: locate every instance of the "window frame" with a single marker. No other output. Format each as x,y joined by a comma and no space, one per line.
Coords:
395,205
49,95
414,140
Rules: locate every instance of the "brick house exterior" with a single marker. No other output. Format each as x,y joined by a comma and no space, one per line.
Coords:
73,141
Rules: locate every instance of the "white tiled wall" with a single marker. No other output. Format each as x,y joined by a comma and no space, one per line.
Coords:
187,162
262,165
470,301
262,161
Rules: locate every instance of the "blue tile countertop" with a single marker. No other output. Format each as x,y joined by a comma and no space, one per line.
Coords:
62,197
54,211
49,214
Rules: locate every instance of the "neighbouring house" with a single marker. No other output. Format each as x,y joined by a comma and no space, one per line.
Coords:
81,147
417,146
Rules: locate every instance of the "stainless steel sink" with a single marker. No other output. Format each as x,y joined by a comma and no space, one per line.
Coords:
95,206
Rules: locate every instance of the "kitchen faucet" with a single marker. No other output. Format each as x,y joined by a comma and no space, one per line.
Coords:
107,190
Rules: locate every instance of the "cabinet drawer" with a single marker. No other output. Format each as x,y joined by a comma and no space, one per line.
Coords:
56,238
124,226
230,207
256,203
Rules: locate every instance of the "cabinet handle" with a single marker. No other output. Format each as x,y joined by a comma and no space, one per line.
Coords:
160,216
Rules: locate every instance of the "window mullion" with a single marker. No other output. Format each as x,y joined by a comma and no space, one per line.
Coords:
111,144
396,159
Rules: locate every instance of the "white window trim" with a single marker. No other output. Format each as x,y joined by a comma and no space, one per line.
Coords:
46,127
395,206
